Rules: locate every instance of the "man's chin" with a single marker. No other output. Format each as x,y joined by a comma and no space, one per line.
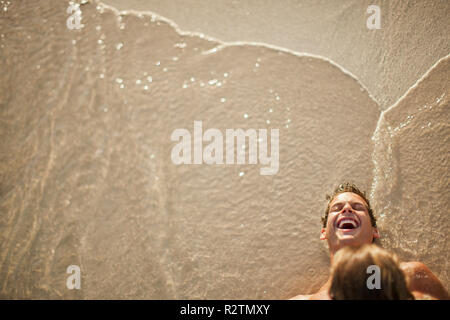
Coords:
346,239
343,233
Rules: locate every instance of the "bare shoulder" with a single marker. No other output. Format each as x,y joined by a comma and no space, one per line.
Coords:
322,294
422,281
414,266
302,297
415,271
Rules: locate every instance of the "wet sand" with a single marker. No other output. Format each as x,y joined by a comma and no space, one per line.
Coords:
388,61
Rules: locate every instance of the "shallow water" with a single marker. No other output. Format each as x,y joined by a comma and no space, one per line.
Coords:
388,61
412,172
87,179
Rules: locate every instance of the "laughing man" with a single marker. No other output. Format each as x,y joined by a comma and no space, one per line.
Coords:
349,221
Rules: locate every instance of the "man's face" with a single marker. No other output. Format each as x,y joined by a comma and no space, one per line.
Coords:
348,222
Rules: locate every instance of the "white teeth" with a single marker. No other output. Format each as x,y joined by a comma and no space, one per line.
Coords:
342,222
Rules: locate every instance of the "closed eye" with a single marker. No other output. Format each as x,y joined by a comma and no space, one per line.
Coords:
359,206
356,206
336,207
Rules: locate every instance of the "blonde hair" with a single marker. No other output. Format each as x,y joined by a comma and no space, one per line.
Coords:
349,275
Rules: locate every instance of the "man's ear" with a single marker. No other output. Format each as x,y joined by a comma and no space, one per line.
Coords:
323,234
376,234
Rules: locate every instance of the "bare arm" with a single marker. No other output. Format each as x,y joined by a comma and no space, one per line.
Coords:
322,294
301,297
422,281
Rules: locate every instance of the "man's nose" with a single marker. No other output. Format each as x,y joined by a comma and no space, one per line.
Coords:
347,208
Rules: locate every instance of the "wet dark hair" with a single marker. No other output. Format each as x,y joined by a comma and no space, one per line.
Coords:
348,187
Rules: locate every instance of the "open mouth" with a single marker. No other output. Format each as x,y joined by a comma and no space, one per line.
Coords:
347,223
